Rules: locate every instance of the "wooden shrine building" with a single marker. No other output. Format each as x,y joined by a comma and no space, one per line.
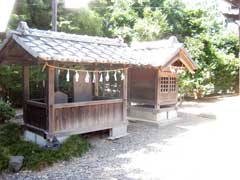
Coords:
83,63
153,90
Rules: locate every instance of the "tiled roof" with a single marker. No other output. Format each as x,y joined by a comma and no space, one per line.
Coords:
62,47
59,46
158,53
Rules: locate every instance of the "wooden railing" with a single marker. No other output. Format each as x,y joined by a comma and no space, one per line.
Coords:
81,117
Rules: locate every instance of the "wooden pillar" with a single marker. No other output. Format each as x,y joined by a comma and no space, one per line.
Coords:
124,94
129,88
56,80
96,84
157,88
104,84
50,100
26,92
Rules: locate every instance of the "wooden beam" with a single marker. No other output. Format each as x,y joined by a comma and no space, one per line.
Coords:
35,129
36,103
157,88
87,103
231,16
50,93
18,61
26,92
124,95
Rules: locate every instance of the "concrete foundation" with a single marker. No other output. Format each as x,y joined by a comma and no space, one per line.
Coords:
41,141
35,138
147,114
118,132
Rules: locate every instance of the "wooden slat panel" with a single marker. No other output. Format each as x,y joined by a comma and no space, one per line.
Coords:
88,118
36,116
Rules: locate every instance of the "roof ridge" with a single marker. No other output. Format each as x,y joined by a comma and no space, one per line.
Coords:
76,37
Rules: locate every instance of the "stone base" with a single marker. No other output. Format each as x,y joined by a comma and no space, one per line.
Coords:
163,115
118,132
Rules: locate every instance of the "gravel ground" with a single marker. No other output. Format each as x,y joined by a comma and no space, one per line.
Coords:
106,159
167,152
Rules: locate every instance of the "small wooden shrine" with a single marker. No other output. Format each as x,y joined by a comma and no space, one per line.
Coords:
87,64
153,90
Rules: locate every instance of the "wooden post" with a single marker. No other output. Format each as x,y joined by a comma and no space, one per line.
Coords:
26,92
54,15
124,94
96,84
104,84
157,84
129,88
50,100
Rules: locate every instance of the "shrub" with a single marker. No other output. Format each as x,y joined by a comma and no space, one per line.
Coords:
6,112
9,134
73,146
35,157
3,159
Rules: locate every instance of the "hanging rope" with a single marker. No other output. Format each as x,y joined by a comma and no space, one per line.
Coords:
81,70
88,77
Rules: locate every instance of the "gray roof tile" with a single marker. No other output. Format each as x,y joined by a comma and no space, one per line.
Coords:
59,46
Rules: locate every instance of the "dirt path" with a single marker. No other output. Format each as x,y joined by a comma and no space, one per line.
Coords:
199,147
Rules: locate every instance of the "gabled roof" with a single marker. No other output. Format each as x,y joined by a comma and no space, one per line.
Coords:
48,46
62,47
162,53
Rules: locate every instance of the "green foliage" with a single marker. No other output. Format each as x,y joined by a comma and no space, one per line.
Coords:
217,65
152,26
37,13
81,22
73,146
3,159
11,84
203,34
135,20
35,157
6,112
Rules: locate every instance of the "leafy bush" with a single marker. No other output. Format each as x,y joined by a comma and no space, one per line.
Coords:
3,159
35,157
6,112
9,134
11,84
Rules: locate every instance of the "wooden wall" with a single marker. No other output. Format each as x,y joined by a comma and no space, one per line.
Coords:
141,84
76,118
142,87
